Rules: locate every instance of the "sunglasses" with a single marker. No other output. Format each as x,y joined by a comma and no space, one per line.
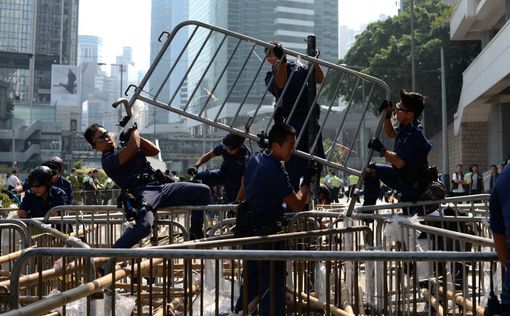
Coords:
102,138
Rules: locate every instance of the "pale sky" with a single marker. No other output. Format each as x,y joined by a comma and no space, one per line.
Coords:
354,13
127,23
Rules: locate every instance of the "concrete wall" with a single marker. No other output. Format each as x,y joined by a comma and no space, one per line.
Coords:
467,148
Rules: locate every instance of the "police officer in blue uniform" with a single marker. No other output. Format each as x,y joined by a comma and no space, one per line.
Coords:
499,208
41,196
276,80
55,164
234,155
407,169
130,170
265,215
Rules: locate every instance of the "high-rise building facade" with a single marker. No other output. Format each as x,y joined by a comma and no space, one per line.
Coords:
165,15
286,21
34,35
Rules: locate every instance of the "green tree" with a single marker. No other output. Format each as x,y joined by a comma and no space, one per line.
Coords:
383,50
78,164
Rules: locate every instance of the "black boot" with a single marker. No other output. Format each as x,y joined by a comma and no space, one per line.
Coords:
196,232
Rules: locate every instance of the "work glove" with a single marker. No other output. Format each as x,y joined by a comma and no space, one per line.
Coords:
124,136
192,170
263,140
388,106
310,171
124,121
375,144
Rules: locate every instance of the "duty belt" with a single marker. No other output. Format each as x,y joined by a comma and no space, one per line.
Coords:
139,179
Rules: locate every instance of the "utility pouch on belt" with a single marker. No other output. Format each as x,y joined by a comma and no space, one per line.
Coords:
245,221
129,204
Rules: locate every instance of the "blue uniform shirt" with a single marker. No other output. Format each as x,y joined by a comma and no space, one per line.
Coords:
66,186
122,174
232,166
36,207
499,209
294,88
62,184
412,146
266,183
499,206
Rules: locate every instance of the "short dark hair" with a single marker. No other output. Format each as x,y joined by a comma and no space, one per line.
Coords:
277,50
413,101
89,132
459,165
14,171
279,133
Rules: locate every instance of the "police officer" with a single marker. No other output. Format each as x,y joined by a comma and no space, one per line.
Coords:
55,164
265,216
499,207
406,171
130,170
283,70
41,196
234,155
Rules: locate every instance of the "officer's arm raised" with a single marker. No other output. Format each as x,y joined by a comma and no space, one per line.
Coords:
132,148
205,158
148,147
296,200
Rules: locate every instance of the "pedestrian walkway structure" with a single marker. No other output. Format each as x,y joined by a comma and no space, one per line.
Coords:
340,260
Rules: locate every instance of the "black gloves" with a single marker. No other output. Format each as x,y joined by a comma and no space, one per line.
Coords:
193,170
388,106
124,121
375,144
310,171
124,136
263,140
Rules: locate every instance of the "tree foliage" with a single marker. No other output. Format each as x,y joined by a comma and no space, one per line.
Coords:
383,50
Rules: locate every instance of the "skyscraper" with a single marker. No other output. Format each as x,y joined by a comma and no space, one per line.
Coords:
287,21
34,35
165,15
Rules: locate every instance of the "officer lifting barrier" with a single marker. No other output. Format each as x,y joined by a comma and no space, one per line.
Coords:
224,77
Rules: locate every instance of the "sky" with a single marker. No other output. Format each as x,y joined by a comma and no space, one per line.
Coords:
127,23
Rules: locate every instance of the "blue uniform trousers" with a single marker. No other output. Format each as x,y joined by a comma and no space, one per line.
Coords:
262,283
216,177
296,166
394,179
164,195
265,279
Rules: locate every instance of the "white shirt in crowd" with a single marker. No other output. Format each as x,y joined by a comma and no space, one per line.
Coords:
460,187
12,181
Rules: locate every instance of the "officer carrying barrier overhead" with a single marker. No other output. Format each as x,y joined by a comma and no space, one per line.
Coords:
243,89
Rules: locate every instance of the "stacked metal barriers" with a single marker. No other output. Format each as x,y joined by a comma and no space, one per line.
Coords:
356,266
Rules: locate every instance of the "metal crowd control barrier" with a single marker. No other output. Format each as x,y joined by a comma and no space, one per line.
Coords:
101,225
205,282
224,76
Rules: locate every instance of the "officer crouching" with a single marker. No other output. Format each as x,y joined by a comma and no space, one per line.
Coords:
267,186
129,169
407,170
